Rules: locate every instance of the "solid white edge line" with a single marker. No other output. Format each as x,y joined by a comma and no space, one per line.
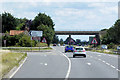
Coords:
18,68
69,68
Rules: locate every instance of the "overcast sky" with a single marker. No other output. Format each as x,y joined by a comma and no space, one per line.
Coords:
68,16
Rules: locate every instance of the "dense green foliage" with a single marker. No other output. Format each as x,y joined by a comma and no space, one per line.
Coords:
61,41
18,40
8,22
40,19
113,34
48,33
41,22
55,39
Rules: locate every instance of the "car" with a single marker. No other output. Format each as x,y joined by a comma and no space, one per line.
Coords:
118,47
104,47
69,49
54,44
79,51
58,44
63,44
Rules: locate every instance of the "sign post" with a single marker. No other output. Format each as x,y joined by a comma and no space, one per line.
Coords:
94,41
36,34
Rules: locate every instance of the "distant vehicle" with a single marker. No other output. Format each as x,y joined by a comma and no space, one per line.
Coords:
69,49
118,47
79,51
104,47
58,44
63,44
54,44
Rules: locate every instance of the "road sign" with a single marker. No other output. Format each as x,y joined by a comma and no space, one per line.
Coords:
94,41
36,33
35,38
44,40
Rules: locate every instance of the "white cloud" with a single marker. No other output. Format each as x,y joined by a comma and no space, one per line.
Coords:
28,15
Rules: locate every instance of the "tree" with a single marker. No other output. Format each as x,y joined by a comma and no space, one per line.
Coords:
78,41
112,34
48,33
40,19
55,39
61,41
8,22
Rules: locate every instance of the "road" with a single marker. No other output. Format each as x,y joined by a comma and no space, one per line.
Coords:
57,64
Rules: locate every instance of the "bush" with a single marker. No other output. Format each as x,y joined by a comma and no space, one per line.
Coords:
26,41
111,46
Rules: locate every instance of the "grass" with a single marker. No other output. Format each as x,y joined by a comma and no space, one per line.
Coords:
9,60
28,49
104,51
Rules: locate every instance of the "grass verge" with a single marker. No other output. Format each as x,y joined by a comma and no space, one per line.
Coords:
10,60
28,49
104,51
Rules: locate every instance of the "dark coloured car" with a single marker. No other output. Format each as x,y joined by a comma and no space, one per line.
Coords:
69,49
54,44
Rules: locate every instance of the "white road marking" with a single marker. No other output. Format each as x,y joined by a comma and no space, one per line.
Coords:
107,63
69,67
103,61
112,66
118,70
89,64
45,64
18,68
99,55
99,59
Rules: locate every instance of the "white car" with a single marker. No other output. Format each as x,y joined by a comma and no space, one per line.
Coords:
79,51
104,47
118,47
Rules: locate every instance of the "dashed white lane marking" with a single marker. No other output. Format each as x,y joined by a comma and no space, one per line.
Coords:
45,55
103,61
118,70
45,64
89,64
112,66
99,55
107,63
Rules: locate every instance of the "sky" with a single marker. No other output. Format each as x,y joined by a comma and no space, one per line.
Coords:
67,15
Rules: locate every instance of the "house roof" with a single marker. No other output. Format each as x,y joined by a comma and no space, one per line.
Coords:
16,32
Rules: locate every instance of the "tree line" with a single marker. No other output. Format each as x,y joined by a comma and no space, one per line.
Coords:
41,22
113,34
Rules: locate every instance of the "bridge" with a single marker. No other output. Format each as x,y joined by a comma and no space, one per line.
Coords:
96,33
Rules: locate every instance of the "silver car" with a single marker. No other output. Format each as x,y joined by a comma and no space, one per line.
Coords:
79,51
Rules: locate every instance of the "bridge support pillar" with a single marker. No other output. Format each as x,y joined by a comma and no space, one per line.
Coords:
69,39
98,39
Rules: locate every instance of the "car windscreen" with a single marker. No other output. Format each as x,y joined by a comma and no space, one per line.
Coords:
79,48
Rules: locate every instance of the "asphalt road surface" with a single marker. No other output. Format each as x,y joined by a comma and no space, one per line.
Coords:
57,64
